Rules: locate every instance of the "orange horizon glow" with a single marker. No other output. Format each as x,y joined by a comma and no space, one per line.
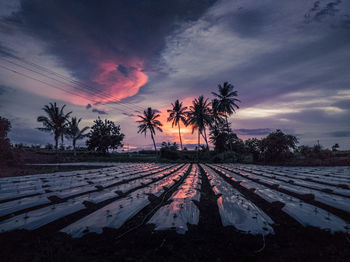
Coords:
173,132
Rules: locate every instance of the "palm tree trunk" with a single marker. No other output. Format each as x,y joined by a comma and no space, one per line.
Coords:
155,147
199,141
228,128
180,136
56,145
75,152
62,140
205,138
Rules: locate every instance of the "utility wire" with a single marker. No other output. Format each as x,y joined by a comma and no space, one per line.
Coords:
60,75
60,81
54,86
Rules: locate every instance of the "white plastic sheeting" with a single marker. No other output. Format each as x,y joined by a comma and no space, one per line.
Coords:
304,213
20,204
182,210
235,210
67,182
40,217
115,214
330,199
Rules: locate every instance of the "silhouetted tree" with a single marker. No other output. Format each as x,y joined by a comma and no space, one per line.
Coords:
218,137
335,147
169,150
304,150
74,132
104,135
278,145
216,114
226,100
5,145
253,146
149,122
236,143
177,115
55,122
199,117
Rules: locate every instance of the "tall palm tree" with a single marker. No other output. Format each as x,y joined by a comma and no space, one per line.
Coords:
177,115
149,122
199,117
217,116
74,132
55,122
227,101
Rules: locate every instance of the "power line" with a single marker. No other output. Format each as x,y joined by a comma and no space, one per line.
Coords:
60,81
105,96
62,89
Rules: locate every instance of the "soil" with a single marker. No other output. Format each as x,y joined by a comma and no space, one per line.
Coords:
208,241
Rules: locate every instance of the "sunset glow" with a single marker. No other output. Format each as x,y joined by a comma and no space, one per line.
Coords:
172,133
120,83
117,59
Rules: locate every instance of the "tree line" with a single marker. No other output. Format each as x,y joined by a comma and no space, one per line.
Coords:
207,117
103,135
202,116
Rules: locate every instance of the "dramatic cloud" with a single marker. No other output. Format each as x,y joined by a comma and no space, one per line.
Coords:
331,10
100,112
110,46
253,132
289,61
340,134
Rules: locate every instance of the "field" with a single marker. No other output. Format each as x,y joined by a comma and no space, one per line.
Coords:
187,212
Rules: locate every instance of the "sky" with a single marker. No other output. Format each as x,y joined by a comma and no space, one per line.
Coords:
289,61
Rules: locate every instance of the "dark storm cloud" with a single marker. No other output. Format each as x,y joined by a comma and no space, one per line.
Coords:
29,136
247,22
100,112
6,52
128,114
331,10
2,90
312,116
343,104
319,12
83,33
6,90
124,70
253,132
296,56
339,134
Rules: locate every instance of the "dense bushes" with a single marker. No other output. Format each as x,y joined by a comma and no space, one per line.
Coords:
6,154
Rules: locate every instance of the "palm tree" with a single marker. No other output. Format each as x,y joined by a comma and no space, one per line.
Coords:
199,117
149,122
55,121
74,132
177,114
227,101
217,116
